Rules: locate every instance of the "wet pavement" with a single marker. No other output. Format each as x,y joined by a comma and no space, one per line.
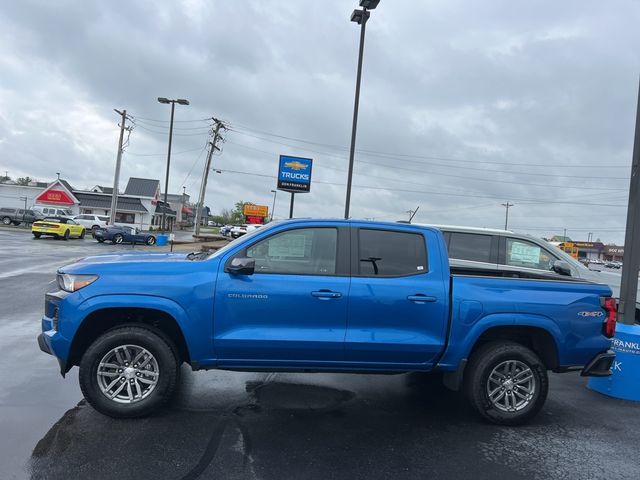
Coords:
277,426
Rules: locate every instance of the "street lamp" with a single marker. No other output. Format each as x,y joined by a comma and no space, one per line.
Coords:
181,101
360,17
275,193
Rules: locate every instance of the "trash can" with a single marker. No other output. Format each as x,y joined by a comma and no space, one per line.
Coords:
161,240
625,379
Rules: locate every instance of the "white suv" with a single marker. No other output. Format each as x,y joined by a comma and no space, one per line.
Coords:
92,222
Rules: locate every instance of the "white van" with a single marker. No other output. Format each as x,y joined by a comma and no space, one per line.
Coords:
52,211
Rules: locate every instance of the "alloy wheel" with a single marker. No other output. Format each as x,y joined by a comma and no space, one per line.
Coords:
511,386
128,374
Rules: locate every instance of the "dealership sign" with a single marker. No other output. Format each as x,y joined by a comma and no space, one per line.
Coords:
251,210
294,174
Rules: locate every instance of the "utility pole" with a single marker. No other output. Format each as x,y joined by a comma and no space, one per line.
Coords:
564,236
506,216
205,174
116,178
273,207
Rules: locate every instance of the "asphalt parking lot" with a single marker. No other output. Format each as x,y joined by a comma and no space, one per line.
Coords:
278,426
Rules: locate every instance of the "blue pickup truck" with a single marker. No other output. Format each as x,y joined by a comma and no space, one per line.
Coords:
323,295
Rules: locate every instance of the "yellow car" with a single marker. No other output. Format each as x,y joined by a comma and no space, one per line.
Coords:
59,227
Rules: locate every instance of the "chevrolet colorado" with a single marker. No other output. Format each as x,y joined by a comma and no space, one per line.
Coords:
323,295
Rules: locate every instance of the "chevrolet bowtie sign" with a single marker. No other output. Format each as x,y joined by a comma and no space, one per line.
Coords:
294,174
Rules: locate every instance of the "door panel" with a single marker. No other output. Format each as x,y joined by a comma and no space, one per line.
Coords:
293,308
398,319
278,317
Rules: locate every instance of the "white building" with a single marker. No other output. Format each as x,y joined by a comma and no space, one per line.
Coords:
140,205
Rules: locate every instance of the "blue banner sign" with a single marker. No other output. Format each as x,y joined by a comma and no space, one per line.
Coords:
294,174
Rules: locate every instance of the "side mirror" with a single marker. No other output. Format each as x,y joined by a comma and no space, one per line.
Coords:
241,266
561,267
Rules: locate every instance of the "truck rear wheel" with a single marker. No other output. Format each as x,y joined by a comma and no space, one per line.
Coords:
128,372
506,383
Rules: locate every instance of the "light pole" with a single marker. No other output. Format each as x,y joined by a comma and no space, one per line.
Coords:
275,193
360,17
181,101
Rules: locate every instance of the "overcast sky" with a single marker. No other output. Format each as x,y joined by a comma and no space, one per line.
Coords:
464,105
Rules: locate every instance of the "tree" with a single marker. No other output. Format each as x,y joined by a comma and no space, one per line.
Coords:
237,215
4,178
24,181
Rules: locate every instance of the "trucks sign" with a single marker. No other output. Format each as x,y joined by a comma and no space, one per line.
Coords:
294,174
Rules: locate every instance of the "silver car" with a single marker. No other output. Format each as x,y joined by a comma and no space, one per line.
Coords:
505,251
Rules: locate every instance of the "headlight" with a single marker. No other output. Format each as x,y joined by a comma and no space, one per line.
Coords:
71,283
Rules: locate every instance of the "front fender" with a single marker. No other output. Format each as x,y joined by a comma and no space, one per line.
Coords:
196,331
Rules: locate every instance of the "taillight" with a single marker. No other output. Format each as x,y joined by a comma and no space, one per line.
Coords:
609,327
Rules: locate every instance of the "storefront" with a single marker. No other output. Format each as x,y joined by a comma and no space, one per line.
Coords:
613,253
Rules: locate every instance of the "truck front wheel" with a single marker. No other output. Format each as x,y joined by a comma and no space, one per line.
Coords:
506,383
128,372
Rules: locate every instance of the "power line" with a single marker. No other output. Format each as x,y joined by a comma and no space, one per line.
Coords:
545,175
175,121
465,177
395,154
371,187
161,154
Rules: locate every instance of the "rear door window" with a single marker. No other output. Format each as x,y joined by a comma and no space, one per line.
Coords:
390,253
470,246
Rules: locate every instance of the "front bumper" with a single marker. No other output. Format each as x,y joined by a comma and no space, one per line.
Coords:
600,365
44,342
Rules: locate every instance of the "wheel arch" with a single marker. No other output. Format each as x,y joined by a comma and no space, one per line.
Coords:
537,339
103,319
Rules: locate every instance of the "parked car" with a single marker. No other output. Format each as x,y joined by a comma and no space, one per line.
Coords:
324,295
506,251
58,227
52,211
225,230
122,234
18,216
92,222
244,229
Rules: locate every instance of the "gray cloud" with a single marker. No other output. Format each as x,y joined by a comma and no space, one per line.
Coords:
544,90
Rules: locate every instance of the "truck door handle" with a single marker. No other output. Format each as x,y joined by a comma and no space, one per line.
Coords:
420,298
325,294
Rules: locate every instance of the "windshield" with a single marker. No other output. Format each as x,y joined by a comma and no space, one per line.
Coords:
244,238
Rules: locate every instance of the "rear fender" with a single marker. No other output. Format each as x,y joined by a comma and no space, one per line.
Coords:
464,337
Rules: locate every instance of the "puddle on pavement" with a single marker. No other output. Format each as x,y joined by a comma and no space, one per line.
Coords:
295,396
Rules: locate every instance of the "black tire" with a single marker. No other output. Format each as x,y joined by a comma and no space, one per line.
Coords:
100,240
117,238
476,382
67,234
82,234
37,234
6,220
168,370
151,240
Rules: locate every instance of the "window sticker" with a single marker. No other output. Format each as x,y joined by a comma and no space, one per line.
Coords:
287,246
523,253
